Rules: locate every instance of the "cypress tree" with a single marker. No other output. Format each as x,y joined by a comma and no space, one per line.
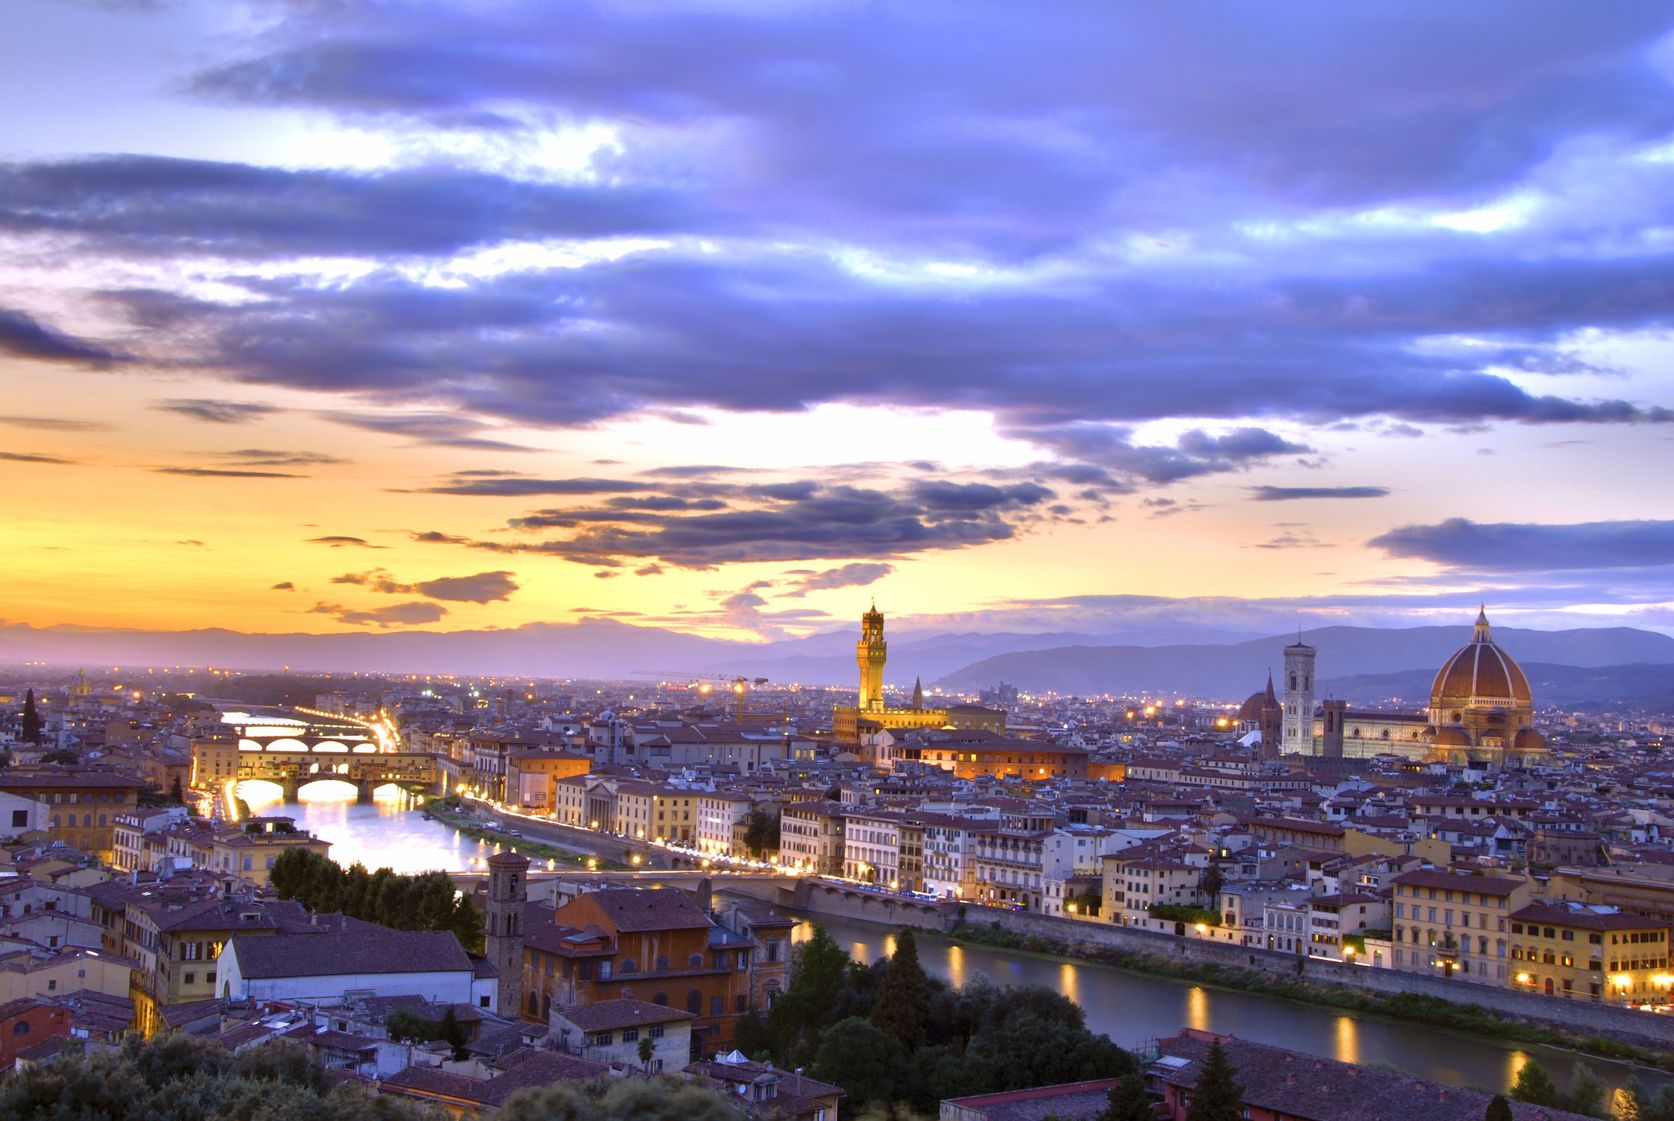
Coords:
1498,1110
1129,1101
903,1005
1217,1096
31,719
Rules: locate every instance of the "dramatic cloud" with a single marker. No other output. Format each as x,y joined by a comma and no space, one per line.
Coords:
1292,494
856,575
1524,547
395,615
218,412
23,336
712,523
149,205
484,587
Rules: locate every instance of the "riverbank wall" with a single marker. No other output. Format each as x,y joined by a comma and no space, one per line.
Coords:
1086,938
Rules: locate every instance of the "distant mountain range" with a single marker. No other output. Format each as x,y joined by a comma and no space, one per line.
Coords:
1361,664
1345,653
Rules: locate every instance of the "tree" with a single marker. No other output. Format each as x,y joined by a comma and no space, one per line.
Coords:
903,1006
861,1059
176,794
618,1099
753,1036
453,1032
1129,1100
1217,1096
1210,884
61,755
31,718
1534,1085
818,970
761,834
647,1048
1585,1094
1498,1109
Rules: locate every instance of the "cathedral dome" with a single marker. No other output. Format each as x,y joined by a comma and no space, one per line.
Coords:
1454,735
1250,711
1479,674
1528,740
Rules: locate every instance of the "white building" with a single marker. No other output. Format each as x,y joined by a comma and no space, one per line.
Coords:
612,1031
321,967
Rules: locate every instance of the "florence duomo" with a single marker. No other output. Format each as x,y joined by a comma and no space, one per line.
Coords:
1481,712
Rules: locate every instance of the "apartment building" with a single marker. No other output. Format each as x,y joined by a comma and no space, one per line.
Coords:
1594,952
1455,924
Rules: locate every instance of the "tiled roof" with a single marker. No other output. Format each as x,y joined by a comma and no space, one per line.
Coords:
376,951
609,1015
1312,1089
646,909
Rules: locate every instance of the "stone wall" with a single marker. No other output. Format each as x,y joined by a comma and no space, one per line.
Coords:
1639,1028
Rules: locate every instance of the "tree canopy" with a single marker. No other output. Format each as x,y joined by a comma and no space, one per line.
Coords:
428,901
1534,1085
1217,1096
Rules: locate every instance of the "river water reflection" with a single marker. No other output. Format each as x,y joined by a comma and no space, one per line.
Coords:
1133,1009
1130,1008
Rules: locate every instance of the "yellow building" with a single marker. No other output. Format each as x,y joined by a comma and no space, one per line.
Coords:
1455,924
249,849
871,714
1597,953
214,762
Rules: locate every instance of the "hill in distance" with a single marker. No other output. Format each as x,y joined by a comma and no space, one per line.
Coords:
1238,669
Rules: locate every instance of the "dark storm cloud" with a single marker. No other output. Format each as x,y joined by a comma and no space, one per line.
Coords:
24,336
1529,547
1293,494
153,205
217,412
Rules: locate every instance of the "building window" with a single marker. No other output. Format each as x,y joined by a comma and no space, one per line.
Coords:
694,1003
657,1031
630,1035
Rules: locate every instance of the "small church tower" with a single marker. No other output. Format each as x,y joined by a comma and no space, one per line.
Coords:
871,652
508,891
1299,698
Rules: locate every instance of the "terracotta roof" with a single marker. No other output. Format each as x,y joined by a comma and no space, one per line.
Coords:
1486,885
375,951
1312,1089
608,1015
644,909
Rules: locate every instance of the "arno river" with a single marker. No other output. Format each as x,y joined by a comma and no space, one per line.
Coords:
1129,1008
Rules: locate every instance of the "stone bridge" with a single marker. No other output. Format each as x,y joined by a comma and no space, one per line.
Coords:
293,770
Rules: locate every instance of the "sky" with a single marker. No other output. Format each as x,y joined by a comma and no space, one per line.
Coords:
371,315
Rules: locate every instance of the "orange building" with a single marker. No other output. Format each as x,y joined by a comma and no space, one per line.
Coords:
975,754
653,945
81,803
531,775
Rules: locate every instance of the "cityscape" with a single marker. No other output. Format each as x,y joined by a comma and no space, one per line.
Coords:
825,561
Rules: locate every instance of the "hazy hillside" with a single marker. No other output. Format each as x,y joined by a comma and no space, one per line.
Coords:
1344,652
1650,686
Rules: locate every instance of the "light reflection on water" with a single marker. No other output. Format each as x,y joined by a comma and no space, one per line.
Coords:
1133,1009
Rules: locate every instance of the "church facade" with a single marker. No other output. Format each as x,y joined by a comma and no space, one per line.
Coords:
1481,711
